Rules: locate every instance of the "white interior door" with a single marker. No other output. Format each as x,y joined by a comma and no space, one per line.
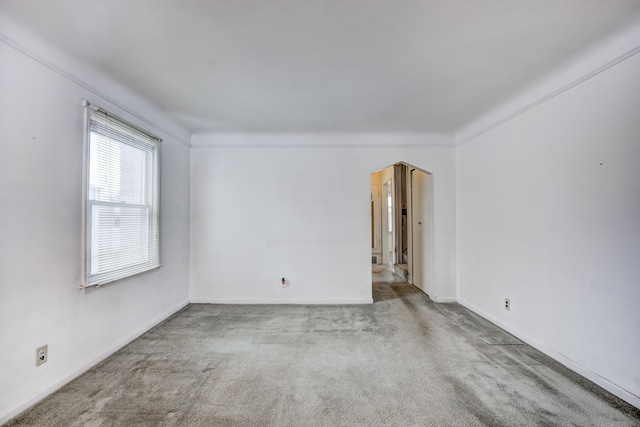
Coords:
422,231
417,194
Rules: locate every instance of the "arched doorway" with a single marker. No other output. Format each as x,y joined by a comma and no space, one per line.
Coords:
402,223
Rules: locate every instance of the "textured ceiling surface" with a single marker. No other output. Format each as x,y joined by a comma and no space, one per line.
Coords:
325,65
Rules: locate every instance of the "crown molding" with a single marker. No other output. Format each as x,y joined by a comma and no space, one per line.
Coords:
322,140
605,55
33,47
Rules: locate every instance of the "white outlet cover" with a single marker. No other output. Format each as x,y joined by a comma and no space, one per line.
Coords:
42,355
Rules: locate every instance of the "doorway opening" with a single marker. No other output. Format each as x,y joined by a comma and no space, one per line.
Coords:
402,223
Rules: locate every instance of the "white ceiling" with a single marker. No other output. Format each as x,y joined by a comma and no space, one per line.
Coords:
325,65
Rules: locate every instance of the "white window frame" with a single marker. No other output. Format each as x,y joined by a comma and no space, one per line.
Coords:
112,128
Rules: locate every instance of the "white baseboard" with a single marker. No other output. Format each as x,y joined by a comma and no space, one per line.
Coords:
445,299
47,390
283,301
592,376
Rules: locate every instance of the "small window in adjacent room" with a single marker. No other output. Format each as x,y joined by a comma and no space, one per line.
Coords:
122,230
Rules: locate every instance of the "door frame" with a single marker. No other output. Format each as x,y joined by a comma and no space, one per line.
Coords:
428,256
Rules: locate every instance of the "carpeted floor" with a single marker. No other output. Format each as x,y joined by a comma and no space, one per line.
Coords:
403,361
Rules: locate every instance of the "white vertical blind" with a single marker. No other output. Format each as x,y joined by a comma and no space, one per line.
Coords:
122,206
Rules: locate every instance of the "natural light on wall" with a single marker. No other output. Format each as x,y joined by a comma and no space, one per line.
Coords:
122,235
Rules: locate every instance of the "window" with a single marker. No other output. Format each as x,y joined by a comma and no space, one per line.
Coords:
122,232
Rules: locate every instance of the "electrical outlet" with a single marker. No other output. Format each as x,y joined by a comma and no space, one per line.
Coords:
42,355
507,304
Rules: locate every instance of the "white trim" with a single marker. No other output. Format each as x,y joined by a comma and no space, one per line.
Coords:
322,140
552,95
148,143
565,360
12,43
285,146
325,146
283,301
445,300
51,388
607,54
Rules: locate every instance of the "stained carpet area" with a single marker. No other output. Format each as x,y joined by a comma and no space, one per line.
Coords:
402,361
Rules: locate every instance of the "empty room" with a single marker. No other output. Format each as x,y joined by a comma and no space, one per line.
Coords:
319,213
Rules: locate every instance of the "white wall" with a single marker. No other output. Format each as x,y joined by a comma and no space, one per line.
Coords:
41,132
298,206
539,220
548,215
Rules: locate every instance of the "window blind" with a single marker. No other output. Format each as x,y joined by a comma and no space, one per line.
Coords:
122,227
